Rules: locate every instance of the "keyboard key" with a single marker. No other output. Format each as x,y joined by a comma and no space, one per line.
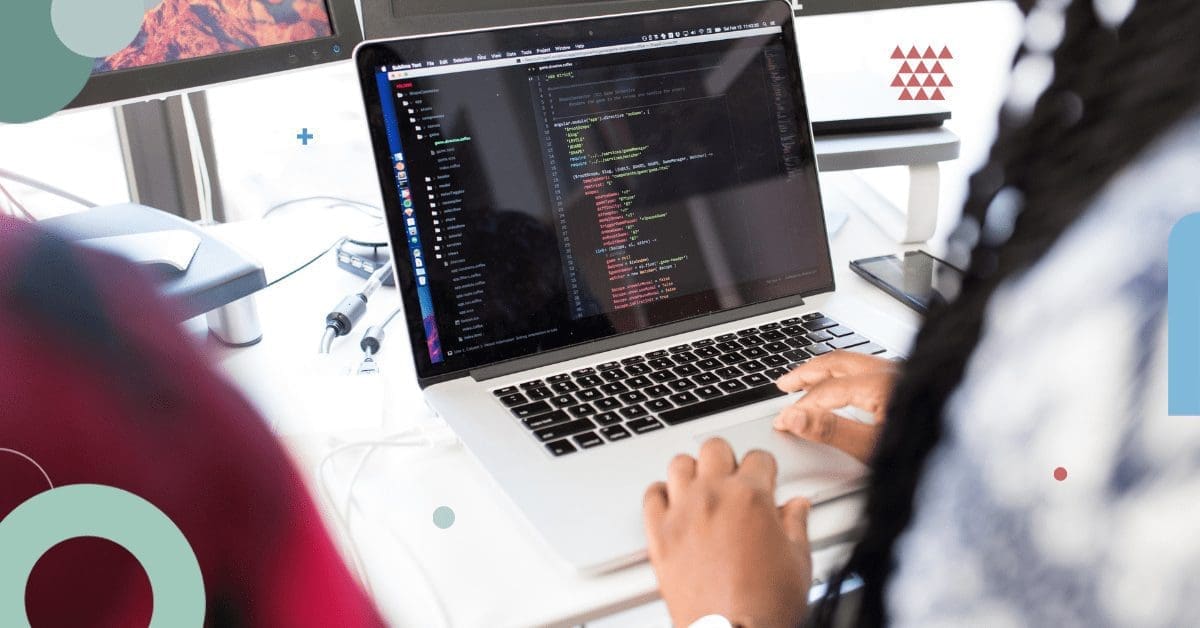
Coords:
682,384
798,342
768,327
514,399
789,321
531,409
685,357
752,341
641,426
539,393
661,363
706,378
640,381
708,392
637,369
658,405
774,360
707,352
869,349
609,365
632,397
819,336
563,430
632,412
709,364
707,342
584,371
731,386
751,331
581,410
539,421
755,379
772,336
633,360
775,373
794,330
680,348
814,315
537,383
612,375
588,440
663,376
607,418
684,398
819,349
615,432
561,377
796,355
563,387
845,342
563,400
687,370
720,404
732,358
661,353
614,388
589,381
728,372
754,352
590,394
657,390
503,392
729,347
840,330
815,324
753,366
561,447
775,347
606,403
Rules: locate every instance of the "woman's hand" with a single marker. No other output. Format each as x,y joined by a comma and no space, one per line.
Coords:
832,381
720,546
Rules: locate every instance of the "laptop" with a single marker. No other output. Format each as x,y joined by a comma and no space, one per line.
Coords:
609,243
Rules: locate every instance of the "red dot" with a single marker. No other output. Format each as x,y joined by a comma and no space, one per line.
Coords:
1060,474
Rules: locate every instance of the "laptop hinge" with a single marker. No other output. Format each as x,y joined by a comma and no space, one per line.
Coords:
517,365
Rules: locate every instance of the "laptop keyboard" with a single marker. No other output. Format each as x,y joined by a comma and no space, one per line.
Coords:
613,401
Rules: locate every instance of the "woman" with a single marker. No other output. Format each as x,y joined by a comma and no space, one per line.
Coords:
1026,473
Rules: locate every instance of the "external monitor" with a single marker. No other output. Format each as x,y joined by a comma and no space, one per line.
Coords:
190,44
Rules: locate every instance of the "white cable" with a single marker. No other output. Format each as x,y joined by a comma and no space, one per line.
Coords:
343,518
199,163
377,278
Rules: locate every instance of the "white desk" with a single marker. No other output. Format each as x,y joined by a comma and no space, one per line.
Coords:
489,568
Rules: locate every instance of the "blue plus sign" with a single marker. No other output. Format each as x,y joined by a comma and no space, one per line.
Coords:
305,136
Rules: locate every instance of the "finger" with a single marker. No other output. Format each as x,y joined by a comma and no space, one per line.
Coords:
861,391
794,517
716,459
654,510
760,468
823,426
680,473
835,364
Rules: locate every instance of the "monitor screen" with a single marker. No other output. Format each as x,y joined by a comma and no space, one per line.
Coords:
177,30
551,185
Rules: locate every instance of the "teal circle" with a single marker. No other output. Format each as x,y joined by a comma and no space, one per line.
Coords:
93,510
97,29
443,517
39,75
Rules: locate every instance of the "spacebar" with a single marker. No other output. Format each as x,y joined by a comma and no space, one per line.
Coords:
719,404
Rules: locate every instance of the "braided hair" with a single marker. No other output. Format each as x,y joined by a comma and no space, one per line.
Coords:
1118,83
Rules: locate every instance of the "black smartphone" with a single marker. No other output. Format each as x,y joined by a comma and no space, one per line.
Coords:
918,279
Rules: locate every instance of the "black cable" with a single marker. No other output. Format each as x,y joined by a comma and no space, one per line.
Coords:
309,262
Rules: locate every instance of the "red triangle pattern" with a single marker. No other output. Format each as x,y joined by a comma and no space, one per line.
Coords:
909,79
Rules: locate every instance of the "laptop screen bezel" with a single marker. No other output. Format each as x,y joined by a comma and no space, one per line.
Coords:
373,54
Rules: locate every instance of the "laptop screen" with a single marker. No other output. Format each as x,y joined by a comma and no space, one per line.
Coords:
551,185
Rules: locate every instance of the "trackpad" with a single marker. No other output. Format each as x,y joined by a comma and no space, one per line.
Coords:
820,472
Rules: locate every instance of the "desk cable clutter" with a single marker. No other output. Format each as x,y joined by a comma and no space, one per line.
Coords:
342,319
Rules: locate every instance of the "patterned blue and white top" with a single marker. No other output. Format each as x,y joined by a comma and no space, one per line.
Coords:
1071,373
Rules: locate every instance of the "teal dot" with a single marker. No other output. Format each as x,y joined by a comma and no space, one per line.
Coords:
97,29
443,517
38,74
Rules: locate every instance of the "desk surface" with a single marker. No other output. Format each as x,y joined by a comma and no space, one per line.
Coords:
488,568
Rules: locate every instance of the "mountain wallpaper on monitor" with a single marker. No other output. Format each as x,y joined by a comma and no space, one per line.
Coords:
186,29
